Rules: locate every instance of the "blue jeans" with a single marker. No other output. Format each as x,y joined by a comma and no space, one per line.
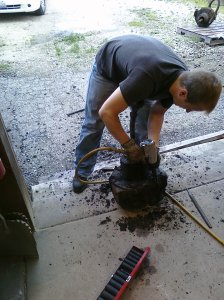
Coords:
99,89
141,122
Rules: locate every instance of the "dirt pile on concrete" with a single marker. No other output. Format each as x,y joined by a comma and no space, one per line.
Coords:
163,218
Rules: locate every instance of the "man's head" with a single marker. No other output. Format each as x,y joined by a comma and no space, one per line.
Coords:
196,91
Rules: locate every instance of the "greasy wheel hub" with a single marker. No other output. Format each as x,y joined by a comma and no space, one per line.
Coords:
135,186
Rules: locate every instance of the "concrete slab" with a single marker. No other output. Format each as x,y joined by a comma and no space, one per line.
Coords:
54,202
12,278
77,258
210,198
194,166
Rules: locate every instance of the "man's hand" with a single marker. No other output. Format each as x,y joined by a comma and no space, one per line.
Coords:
134,151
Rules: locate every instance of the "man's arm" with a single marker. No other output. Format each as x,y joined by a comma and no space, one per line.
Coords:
109,113
155,121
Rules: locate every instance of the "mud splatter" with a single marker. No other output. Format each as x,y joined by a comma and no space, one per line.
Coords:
163,218
107,220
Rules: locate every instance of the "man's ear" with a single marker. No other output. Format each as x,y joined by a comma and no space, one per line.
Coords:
183,93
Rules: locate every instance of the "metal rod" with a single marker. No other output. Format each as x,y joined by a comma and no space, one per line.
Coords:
200,210
75,112
195,219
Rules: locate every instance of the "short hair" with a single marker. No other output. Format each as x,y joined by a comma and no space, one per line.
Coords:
203,87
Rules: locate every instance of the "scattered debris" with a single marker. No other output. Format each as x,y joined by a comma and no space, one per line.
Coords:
107,220
164,218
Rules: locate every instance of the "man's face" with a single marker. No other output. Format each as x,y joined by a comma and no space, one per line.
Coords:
190,107
180,99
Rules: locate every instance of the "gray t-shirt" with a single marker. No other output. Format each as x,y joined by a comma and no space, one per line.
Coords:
143,67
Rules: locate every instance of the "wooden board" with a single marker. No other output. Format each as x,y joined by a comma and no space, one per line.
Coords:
212,35
193,142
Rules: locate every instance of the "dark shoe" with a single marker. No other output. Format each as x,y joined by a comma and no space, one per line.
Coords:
79,187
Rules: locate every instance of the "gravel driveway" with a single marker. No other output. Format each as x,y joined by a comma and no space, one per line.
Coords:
44,68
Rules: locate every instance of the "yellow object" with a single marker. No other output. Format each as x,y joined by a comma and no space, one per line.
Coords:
88,155
195,219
